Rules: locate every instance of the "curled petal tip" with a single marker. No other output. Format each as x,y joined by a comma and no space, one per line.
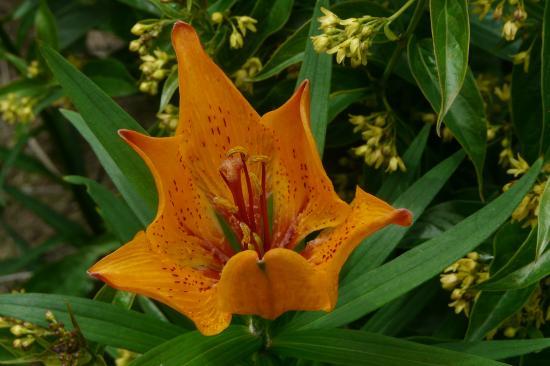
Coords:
403,217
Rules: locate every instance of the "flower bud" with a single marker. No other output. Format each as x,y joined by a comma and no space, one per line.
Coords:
217,18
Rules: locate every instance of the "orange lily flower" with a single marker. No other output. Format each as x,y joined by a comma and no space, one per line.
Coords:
223,165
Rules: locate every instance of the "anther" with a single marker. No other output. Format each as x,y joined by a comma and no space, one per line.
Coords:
237,150
259,159
225,205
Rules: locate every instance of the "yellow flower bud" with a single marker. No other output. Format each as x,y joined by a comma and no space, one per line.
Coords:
509,30
217,17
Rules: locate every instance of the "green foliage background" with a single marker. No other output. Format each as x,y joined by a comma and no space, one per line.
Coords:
438,69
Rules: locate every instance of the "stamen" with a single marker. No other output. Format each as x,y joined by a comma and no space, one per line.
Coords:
259,158
230,171
251,218
236,150
264,214
225,205
260,243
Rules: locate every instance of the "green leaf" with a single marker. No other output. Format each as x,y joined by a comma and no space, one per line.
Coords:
340,100
101,119
290,52
352,347
115,211
31,255
168,89
68,275
111,76
451,40
100,322
526,105
46,29
372,289
499,350
465,117
545,80
492,308
392,318
523,277
57,221
396,183
228,348
375,249
486,34
543,236
317,68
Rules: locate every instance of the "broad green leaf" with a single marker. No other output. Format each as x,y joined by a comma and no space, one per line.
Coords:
523,277
228,348
221,6
466,117
506,245
499,350
352,347
543,236
57,221
492,308
143,5
75,20
526,105
396,183
290,52
149,307
111,76
317,68
545,80
372,289
168,89
392,318
68,276
46,29
451,40
376,249
100,322
101,119
114,210
340,100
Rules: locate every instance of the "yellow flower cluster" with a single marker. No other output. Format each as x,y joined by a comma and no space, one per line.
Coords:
168,118
33,69
512,12
460,277
377,131
147,31
532,315
347,38
25,333
154,67
527,211
251,67
240,24
17,109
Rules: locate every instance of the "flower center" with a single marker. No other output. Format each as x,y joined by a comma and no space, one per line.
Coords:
247,215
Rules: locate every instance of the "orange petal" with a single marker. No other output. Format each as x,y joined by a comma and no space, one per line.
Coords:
331,248
282,281
185,228
136,268
214,116
304,198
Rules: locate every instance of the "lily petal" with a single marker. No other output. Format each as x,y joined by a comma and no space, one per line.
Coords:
304,197
214,116
332,247
136,268
283,280
185,228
